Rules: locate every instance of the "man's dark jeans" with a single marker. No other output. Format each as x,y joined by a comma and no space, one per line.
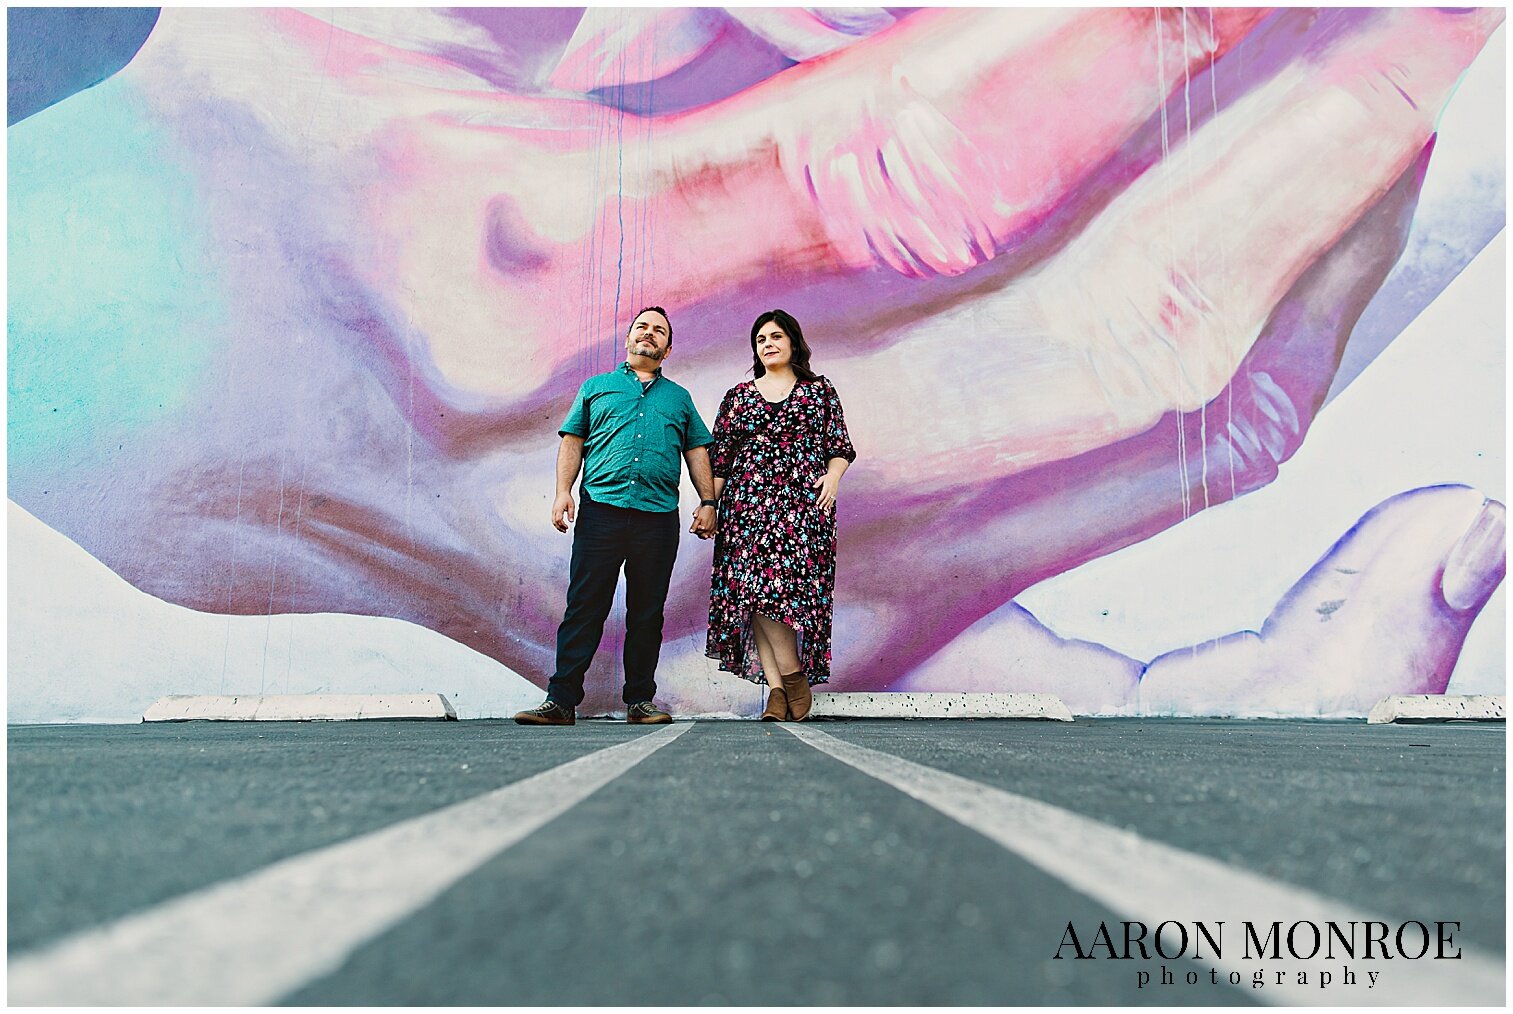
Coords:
605,538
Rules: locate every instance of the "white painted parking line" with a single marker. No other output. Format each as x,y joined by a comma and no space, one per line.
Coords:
1147,881
257,938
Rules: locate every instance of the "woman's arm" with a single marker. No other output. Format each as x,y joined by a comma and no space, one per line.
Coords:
838,450
721,453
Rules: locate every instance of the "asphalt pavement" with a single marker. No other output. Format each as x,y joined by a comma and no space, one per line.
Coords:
737,863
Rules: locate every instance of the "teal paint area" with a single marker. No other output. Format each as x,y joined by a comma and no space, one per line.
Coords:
113,290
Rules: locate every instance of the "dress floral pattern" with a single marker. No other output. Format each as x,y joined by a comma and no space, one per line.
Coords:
774,550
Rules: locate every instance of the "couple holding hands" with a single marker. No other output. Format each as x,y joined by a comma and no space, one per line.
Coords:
767,481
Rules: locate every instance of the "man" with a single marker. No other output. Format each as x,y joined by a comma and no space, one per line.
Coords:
626,429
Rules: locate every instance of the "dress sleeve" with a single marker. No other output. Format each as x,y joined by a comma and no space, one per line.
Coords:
722,453
837,440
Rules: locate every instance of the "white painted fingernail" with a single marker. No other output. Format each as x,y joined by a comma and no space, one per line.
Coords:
1478,561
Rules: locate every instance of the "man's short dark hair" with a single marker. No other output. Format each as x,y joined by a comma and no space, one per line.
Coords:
659,310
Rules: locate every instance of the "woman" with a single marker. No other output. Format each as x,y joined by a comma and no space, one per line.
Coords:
780,450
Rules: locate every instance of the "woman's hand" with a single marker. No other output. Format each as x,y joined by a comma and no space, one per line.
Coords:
829,484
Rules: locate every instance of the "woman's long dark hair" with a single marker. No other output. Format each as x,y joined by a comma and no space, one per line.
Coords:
800,360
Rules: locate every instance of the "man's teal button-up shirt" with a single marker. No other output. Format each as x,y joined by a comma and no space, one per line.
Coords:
634,439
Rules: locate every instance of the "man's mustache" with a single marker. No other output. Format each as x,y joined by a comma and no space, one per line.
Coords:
657,351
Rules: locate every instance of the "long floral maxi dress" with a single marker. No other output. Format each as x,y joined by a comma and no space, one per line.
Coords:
774,550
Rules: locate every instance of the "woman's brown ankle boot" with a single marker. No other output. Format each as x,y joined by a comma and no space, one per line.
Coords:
777,706
799,697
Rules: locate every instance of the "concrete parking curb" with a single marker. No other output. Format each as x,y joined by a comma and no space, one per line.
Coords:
299,708
1044,707
1437,708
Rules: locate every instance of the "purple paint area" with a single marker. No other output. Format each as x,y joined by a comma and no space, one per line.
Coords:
1417,281
1304,599
529,41
503,247
733,62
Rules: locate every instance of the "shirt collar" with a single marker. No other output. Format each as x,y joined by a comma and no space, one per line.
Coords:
627,368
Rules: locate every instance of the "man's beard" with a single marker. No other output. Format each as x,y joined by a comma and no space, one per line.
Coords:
655,353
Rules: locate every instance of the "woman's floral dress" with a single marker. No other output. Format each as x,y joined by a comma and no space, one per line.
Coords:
774,550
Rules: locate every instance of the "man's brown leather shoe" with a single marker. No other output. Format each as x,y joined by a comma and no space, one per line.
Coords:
800,699
549,712
777,706
646,713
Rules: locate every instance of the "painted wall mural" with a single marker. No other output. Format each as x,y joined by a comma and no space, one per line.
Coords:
1171,342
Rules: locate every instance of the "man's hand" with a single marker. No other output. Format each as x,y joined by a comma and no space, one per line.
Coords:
704,522
563,508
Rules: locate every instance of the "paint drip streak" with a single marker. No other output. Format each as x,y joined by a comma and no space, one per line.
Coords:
1171,239
1224,275
1187,109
